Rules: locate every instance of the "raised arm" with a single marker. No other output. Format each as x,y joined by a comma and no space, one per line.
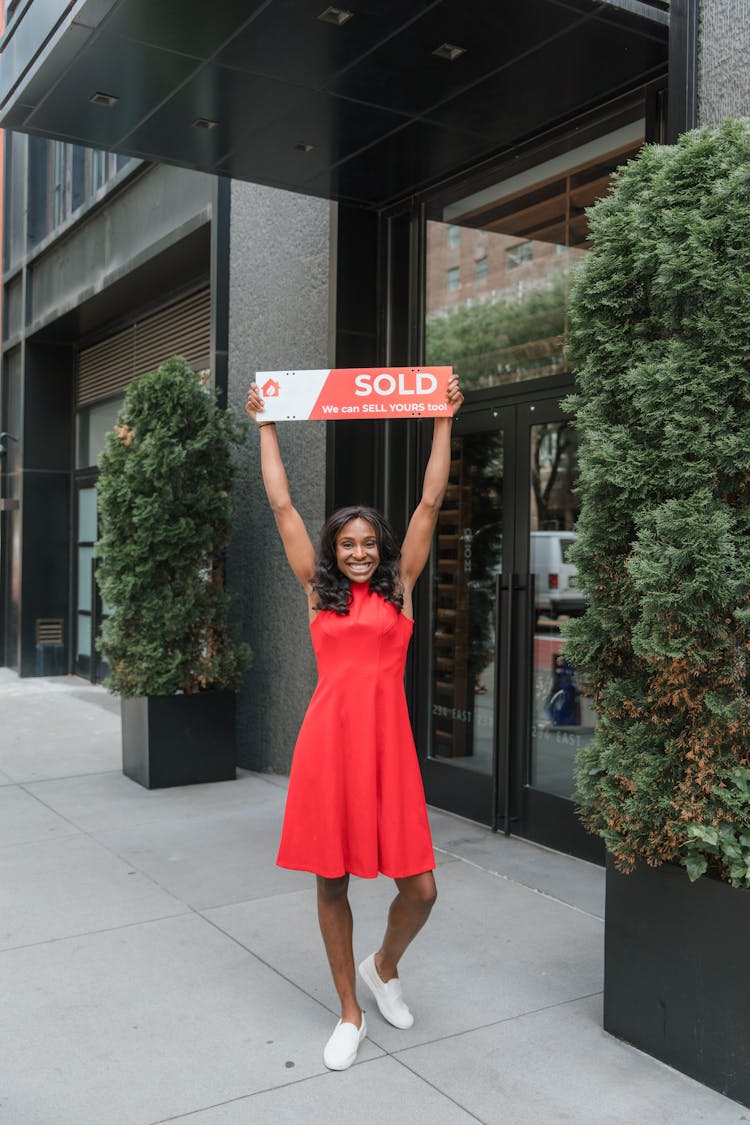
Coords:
297,544
415,550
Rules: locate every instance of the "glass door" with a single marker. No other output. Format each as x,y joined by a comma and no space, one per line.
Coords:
558,719
505,712
500,712
464,704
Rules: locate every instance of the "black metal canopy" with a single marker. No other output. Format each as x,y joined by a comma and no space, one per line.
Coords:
368,101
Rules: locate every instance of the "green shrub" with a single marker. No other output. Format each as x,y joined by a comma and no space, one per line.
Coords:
660,329
164,500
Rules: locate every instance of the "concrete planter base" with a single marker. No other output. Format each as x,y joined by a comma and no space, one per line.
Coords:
676,983
179,739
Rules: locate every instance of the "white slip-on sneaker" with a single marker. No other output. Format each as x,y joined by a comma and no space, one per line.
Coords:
388,995
341,1049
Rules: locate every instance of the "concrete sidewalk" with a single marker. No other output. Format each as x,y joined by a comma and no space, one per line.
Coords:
156,966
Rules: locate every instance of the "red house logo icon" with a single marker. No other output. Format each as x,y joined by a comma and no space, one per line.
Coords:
270,389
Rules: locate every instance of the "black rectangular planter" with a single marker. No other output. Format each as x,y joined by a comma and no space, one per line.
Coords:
676,979
179,739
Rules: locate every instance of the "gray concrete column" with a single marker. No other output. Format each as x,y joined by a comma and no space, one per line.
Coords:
279,317
723,60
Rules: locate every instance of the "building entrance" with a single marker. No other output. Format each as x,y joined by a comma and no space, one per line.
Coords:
506,711
501,709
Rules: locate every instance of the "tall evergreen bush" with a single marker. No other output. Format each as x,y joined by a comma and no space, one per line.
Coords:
164,500
660,330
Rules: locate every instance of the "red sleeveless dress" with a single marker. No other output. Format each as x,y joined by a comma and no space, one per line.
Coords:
356,802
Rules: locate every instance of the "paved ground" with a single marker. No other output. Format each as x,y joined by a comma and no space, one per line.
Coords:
156,966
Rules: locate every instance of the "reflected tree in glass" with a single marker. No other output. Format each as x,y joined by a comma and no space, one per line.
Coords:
504,341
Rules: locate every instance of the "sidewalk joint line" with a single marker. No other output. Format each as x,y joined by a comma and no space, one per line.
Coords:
265,963
63,777
254,1093
89,835
93,933
497,1023
396,1056
442,1093
311,1078
516,883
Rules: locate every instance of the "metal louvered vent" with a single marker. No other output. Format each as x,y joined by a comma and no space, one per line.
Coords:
106,368
182,329
49,631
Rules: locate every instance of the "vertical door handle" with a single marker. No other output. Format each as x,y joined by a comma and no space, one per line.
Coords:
505,594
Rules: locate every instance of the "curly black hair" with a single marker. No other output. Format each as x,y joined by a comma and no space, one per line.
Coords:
332,587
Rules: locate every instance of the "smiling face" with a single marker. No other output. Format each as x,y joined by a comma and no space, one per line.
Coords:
357,554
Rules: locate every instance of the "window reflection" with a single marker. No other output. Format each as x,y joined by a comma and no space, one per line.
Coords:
498,271
562,717
498,316
469,556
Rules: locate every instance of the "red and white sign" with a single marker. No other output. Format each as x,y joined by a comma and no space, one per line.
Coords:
355,392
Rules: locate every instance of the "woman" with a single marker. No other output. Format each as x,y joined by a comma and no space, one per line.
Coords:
355,804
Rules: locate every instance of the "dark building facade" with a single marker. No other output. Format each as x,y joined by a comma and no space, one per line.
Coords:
290,185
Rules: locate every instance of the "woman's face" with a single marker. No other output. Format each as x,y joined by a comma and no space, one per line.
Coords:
357,554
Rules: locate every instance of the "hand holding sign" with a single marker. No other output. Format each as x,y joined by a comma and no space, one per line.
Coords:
349,393
455,395
254,404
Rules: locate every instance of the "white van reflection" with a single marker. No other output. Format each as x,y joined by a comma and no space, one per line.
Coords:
556,590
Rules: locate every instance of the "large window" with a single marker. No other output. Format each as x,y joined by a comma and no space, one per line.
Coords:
61,178
499,265
15,199
93,423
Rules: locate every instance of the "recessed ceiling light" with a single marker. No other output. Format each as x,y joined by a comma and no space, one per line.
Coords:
449,51
336,16
100,98
305,147
204,123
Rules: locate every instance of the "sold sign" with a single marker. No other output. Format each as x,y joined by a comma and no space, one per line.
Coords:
344,393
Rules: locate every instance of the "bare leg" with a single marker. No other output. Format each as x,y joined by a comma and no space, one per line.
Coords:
336,926
408,912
